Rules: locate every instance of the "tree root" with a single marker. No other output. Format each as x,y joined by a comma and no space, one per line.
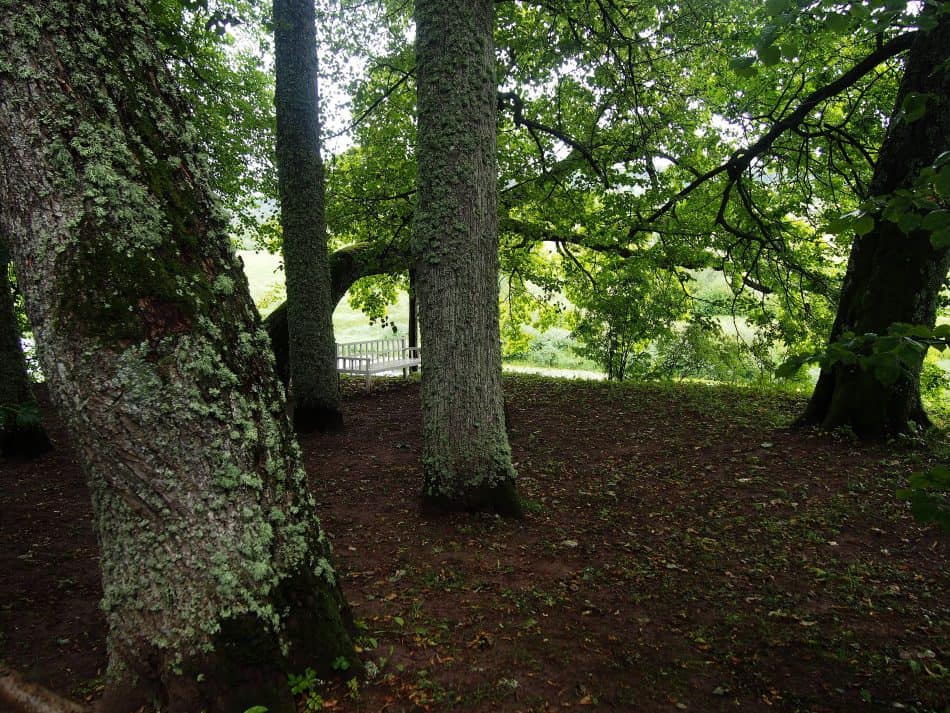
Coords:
24,697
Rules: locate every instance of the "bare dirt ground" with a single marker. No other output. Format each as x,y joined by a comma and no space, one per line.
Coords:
682,550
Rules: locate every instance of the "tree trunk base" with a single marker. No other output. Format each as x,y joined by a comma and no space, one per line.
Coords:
244,670
308,419
853,399
246,667
499,497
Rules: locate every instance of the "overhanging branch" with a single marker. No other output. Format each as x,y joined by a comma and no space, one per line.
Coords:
517,105
740,160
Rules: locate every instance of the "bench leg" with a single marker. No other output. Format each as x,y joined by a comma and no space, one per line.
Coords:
368,378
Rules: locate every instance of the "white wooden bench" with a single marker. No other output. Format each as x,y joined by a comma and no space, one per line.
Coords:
376,356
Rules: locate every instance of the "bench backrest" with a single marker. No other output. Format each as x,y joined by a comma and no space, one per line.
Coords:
379,350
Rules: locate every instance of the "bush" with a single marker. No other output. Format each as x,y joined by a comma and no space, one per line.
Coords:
701,351
552,349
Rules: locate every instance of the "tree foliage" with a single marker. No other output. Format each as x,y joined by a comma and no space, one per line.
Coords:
611,150
652,139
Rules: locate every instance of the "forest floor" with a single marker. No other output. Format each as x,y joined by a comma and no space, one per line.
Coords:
683,549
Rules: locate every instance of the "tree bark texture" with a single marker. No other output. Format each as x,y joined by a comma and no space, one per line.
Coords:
21,429
891,276
413,336
466,456
216,574
312,348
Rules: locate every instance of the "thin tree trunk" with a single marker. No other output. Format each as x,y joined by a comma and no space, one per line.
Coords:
21,428
314,381
413,316
466,456
216,574
891,276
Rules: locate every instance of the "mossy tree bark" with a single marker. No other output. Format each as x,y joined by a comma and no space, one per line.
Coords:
892,276
312,347
466,457
21,428
216,574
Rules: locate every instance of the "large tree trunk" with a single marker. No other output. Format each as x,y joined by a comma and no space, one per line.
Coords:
314,381
891,276
466,456
21,429
216,574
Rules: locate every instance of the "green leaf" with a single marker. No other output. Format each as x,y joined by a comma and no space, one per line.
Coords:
887,374
743,66
257,709
843,352
768,36
340,663
775,7
936,478
769,55
902,329
783,20
940,239
926,22
928,493
931,509
29,416
936,219
863,225
844,222
791,366
859,12
897,206
909,222
942,182
838,23
837,226
399,620
914,107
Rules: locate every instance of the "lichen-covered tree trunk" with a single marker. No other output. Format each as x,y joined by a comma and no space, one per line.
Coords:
892,276
216,574
21,428
312,348
466,456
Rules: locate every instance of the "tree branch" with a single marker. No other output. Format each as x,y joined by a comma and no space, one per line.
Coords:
517,105
390,90
742,159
